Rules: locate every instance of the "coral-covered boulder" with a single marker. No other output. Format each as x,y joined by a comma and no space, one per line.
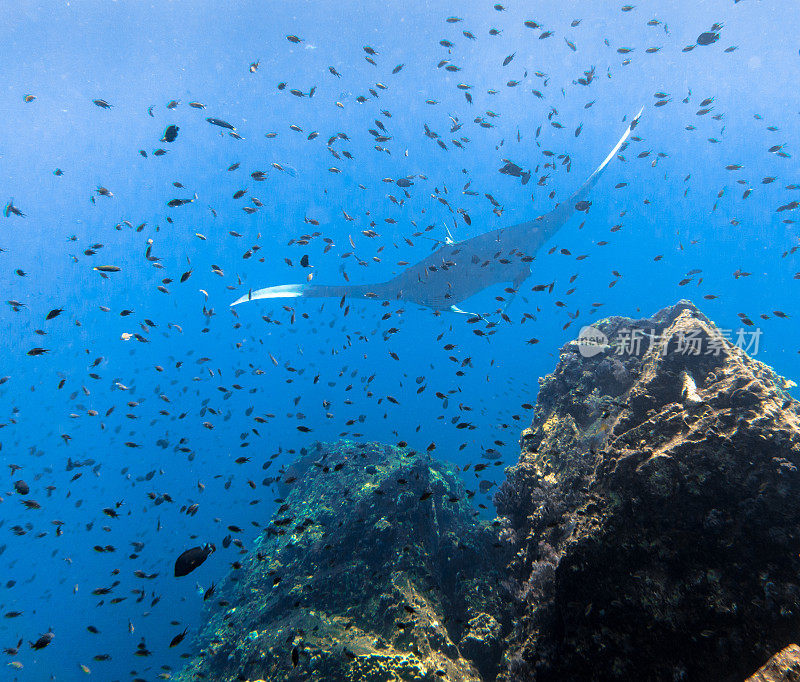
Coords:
654,513
782,667
373,569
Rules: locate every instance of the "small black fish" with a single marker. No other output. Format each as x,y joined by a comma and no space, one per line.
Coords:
219,122
11,209
191,559
21,487
180,202
43,640
177,639
707,38
170,134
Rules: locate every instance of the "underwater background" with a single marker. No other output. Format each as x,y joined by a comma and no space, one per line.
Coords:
118,435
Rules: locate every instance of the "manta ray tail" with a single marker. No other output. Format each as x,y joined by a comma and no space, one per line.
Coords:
545,226
537,232
307,291
565,210
591,181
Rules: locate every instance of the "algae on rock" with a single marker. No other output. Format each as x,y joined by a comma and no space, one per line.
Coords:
374,569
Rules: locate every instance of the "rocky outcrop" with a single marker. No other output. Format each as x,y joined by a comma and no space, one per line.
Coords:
654,514
650,531
782,667
373,569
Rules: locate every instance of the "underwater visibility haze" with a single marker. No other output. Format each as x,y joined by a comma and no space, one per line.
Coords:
260,259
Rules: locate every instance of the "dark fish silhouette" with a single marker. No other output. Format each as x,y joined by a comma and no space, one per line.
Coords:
11,209
177,639
707,38
459,270
191,559
170,133
219,122
43,640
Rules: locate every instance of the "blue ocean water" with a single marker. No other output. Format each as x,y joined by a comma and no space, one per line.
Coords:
145,427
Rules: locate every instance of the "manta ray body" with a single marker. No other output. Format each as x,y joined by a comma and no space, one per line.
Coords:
458,270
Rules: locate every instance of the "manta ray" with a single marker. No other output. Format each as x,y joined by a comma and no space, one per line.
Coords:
458,270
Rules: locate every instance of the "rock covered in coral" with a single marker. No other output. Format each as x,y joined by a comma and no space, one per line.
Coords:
481,640
653,523
655,510
782,667
373,569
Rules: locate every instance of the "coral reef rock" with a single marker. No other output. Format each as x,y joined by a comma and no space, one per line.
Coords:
374,569
782,667
654,514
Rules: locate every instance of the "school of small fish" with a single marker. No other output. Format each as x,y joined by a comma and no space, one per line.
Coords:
148,365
